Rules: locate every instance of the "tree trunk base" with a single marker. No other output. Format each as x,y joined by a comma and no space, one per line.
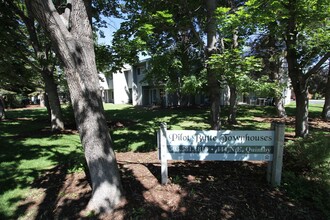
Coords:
100,202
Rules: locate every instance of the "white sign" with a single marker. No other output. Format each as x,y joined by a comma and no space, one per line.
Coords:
219,145
223,146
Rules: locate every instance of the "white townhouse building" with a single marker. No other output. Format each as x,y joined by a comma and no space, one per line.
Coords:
117,87
144,93
128,86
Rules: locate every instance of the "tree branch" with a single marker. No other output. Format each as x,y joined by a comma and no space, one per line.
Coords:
318,65
48,16
29,23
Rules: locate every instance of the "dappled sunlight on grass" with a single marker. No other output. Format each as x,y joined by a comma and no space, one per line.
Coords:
8,199
29,149
139,125
108,106
314,109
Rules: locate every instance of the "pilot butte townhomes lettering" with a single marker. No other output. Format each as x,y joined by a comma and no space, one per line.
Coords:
237,143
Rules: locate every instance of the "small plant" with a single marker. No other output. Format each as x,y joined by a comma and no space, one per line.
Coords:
138,213
76,168
90,214
177,179
192,192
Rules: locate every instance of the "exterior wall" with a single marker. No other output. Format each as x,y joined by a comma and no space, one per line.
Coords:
108,96
122,85
104,87
140,89
119,86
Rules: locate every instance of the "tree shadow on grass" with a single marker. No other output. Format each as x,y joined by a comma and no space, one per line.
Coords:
205,190
42,185
135,128
63,196
23,162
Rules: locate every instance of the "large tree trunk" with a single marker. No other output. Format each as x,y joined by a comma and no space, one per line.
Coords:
233,89
54,111
298,79
301,125
73,40
299,85
232,105
279,105
326,107
212,79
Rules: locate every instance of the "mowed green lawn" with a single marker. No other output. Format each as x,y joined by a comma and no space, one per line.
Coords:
28,149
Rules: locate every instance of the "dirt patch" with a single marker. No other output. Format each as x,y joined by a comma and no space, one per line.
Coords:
198,190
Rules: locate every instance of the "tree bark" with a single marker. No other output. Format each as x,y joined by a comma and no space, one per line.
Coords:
274,66
298,80
212,79
233,105
326,106
55,112
232,87
301,125
73,40
300,89
279,105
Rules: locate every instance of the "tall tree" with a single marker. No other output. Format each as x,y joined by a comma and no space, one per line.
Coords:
234,65
243,27
232,82
46,61
17,67
297,62
237,72
212,79
71,33
304,29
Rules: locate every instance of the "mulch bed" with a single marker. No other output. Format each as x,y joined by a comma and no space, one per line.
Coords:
198,190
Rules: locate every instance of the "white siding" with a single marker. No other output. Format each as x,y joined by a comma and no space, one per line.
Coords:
122,84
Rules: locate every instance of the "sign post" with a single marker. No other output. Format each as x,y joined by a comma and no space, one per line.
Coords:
277,163
163,152
223,145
